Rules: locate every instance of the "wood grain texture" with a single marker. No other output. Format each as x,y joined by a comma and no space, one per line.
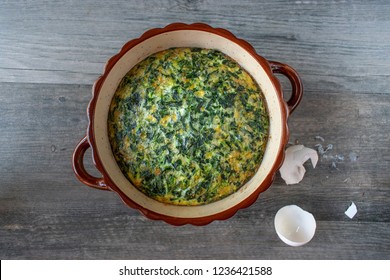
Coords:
50,54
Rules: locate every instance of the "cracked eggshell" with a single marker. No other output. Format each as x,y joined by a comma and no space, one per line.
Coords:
294,225
292,170
351,211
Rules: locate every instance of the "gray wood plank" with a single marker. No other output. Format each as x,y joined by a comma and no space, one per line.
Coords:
46,213
338,45
50,54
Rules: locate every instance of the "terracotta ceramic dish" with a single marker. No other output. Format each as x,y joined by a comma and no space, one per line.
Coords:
183,35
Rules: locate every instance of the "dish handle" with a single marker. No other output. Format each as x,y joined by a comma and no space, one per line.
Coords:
79,170
296,83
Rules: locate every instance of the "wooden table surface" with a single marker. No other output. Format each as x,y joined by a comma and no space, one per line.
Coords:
51,52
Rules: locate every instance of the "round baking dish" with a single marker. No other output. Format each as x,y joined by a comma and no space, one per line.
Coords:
182,35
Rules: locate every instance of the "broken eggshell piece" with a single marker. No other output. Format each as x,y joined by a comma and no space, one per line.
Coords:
294,225
292,170
351,211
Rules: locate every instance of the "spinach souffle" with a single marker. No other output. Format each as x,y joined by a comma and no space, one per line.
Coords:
188,126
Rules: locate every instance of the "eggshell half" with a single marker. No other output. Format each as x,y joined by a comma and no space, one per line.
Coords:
294,225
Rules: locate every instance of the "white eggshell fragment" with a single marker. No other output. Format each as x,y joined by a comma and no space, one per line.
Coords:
292,170
351,211
294,225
